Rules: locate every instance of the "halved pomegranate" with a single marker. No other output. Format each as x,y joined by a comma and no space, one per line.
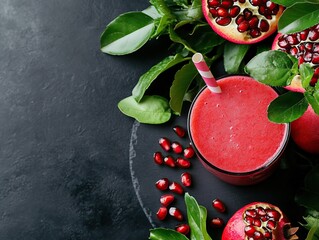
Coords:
242,21
259,220
304,46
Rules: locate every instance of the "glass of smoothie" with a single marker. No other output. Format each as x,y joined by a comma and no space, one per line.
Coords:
231,133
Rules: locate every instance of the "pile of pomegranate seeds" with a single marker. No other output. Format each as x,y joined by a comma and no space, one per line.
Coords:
178,157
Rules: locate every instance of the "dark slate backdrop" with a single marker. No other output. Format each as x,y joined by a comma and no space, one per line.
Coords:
64,169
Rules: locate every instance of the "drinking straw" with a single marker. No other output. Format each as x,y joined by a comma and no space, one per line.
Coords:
205,72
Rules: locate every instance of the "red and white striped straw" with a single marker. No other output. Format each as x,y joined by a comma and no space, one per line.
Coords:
205,72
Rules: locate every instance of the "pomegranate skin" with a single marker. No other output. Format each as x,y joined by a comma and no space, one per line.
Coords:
235,227
304,131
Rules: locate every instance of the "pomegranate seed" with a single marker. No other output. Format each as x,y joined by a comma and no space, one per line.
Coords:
270,5
294,51
186,179
313,35
315,58
167,199
213,3
263,25
261,211
282,42
243,26
219,205
272,213
169,161
213,12
255,32
217,222
292,39
301,60
247,14
183,228
253,22
256,2
162,184
161,213
176,213
189,152
257,222
258,235
316,48
251,213
179,131
176,188
267,234
222,12
249,219
234,11
240,19
271,225
223,21
165,143
158,158
249,231
309,46
304,35
227,4
183,163
177,147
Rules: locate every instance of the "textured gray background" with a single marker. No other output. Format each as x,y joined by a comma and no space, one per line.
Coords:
64,170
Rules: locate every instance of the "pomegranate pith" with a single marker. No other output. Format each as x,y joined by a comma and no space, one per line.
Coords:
244,21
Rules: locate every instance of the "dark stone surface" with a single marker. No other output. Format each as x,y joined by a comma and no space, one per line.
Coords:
63,143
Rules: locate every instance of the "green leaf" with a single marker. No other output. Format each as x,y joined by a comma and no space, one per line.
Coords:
274,68
288,3
182,81
287,107
312,224
203,39
151,109
298,17
127,33
196,218
147,78
177,39
152,12
162,8
165,234
233,56
313,100
306,73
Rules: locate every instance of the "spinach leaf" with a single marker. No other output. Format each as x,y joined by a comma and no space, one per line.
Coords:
147,78
127,33
287,107
313,99
274,68
151,109
233,56
298,17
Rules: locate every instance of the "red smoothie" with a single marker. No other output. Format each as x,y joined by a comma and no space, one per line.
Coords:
231,133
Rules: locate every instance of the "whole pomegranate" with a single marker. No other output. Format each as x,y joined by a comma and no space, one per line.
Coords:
304,131
304,46
259,220
242,21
